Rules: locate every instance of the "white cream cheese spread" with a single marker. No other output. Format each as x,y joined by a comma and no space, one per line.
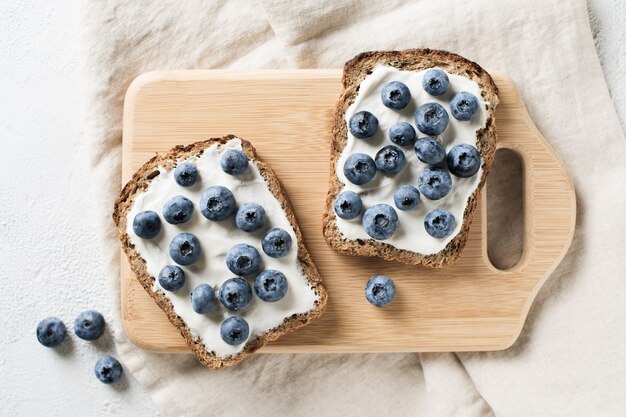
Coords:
410,234
216,238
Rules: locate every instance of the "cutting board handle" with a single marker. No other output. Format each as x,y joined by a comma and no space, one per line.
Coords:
549,199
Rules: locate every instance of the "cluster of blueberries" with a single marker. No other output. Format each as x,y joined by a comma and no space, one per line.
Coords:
89,325
218,203
380,220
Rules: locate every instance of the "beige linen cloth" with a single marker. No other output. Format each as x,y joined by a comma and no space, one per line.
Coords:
570,359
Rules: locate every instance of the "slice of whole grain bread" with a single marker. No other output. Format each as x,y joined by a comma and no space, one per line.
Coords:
354,73
140,181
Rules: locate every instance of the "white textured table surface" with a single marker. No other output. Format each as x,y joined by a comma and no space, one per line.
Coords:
50,262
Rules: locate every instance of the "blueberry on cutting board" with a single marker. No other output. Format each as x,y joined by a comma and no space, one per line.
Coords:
380,290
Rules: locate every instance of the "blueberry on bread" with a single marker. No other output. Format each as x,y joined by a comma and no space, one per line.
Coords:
211,236
413,139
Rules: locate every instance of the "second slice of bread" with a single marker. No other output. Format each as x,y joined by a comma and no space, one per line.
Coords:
355,71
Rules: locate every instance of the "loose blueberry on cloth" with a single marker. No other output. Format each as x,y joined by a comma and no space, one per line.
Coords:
51,332
89,325
108,370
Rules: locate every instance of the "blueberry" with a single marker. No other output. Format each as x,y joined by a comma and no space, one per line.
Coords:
406,197
147,224
439,223
435,82
429,150
171,278
185,249
363,125
89,325
348,205
390,160
380,290
234,162
108,370
380,221
234,330
186,174
217,203
431,119
270,285
177,210
402,133
51,332
463,160
434,183
464,106
359,168
236,294
395,95
203,299
276,243
250,217
243,259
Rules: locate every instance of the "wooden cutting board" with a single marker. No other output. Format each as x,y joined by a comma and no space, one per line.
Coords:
286,114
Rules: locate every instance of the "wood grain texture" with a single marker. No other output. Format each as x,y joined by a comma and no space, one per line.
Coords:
470,306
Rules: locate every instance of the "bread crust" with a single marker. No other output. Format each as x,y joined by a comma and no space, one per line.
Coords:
140,181
354,73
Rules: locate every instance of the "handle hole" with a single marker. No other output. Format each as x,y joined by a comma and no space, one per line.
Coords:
505,210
